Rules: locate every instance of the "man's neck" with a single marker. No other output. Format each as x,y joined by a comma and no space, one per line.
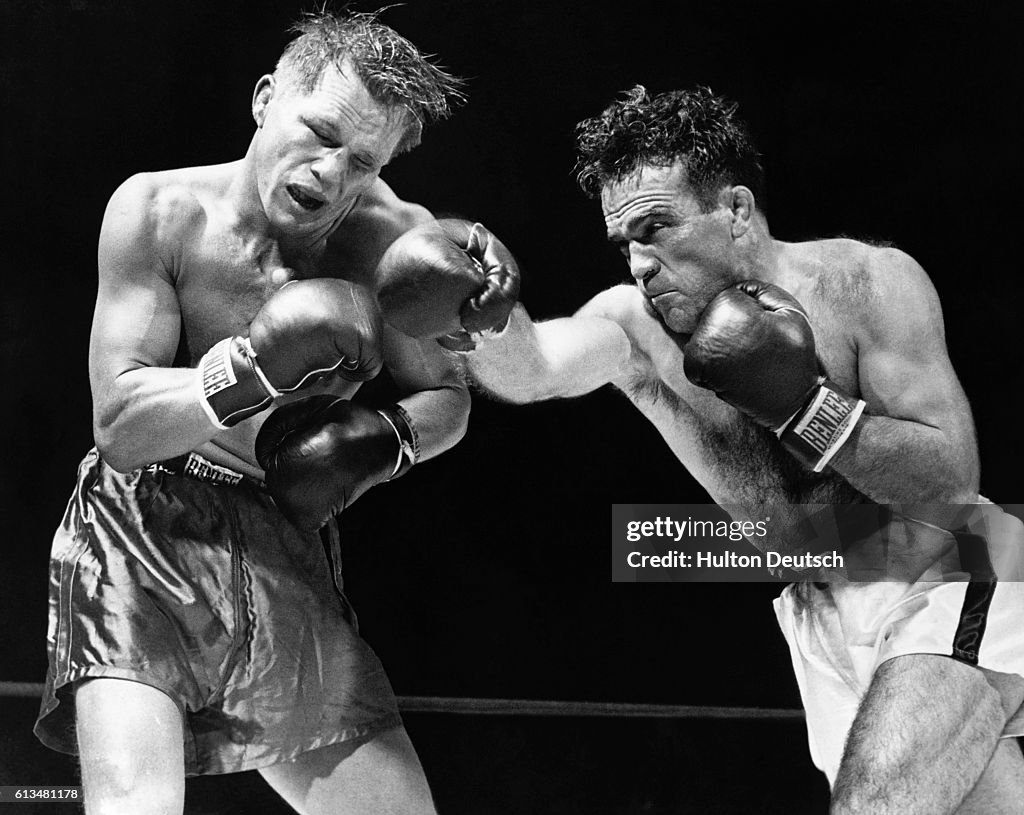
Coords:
243,198
760,256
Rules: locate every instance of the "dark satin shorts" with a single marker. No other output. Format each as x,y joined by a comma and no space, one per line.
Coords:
205,592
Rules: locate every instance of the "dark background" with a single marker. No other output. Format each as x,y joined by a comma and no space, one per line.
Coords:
486,572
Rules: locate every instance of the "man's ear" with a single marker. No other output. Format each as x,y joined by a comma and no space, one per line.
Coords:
741,205
261,97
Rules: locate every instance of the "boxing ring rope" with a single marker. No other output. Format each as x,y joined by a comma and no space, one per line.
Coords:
534,707
25,690
530,707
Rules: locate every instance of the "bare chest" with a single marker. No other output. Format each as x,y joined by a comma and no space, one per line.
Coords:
223,280
735,460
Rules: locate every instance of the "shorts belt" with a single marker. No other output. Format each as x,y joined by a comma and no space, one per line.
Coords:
196,467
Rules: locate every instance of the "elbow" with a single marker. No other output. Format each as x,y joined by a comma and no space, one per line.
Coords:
952,489
965,477
960,483
104,436
950,494
112,448
112,454
115,455
967,491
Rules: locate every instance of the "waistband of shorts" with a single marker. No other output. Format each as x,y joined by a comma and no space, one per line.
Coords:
194,466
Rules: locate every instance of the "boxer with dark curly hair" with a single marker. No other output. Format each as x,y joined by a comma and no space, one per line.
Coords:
791,374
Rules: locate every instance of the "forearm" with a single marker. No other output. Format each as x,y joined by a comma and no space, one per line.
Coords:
148,415
566,357
439,417
896,461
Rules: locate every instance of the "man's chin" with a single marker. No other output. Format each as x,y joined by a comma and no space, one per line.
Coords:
673,322
297,222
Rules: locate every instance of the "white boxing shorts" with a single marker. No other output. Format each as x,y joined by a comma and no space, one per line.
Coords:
839,633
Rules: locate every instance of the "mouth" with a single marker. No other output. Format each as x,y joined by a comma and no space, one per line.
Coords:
308,202
661,299
666,307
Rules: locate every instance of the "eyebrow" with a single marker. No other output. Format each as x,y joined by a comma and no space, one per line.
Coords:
635,223
334,131
321,122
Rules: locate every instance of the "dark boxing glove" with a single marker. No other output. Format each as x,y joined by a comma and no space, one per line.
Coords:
447,280
307,330
754,347
320,454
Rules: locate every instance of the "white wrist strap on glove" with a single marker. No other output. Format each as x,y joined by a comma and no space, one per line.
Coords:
407,444
815,433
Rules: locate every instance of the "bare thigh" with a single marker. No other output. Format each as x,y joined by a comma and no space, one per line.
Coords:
1001,788
380,775
131,748
924,737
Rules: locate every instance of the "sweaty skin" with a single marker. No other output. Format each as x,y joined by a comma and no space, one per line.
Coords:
878,331
186,258
189,256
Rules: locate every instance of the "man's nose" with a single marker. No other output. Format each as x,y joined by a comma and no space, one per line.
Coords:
642,266
330,169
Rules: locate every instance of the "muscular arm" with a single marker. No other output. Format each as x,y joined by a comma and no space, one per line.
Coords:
143,410
917,442
559,358
433,392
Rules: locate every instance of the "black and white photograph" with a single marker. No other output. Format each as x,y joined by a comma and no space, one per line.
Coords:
478,408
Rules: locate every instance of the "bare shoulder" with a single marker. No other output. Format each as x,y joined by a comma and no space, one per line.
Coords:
381,210
150,215
170,195
891,271
378,219
874,283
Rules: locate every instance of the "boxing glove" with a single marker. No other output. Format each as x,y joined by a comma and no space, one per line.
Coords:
447,280
307,330
754,347
322,453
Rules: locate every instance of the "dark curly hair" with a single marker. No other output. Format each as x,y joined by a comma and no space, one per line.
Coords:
692,126
392,68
